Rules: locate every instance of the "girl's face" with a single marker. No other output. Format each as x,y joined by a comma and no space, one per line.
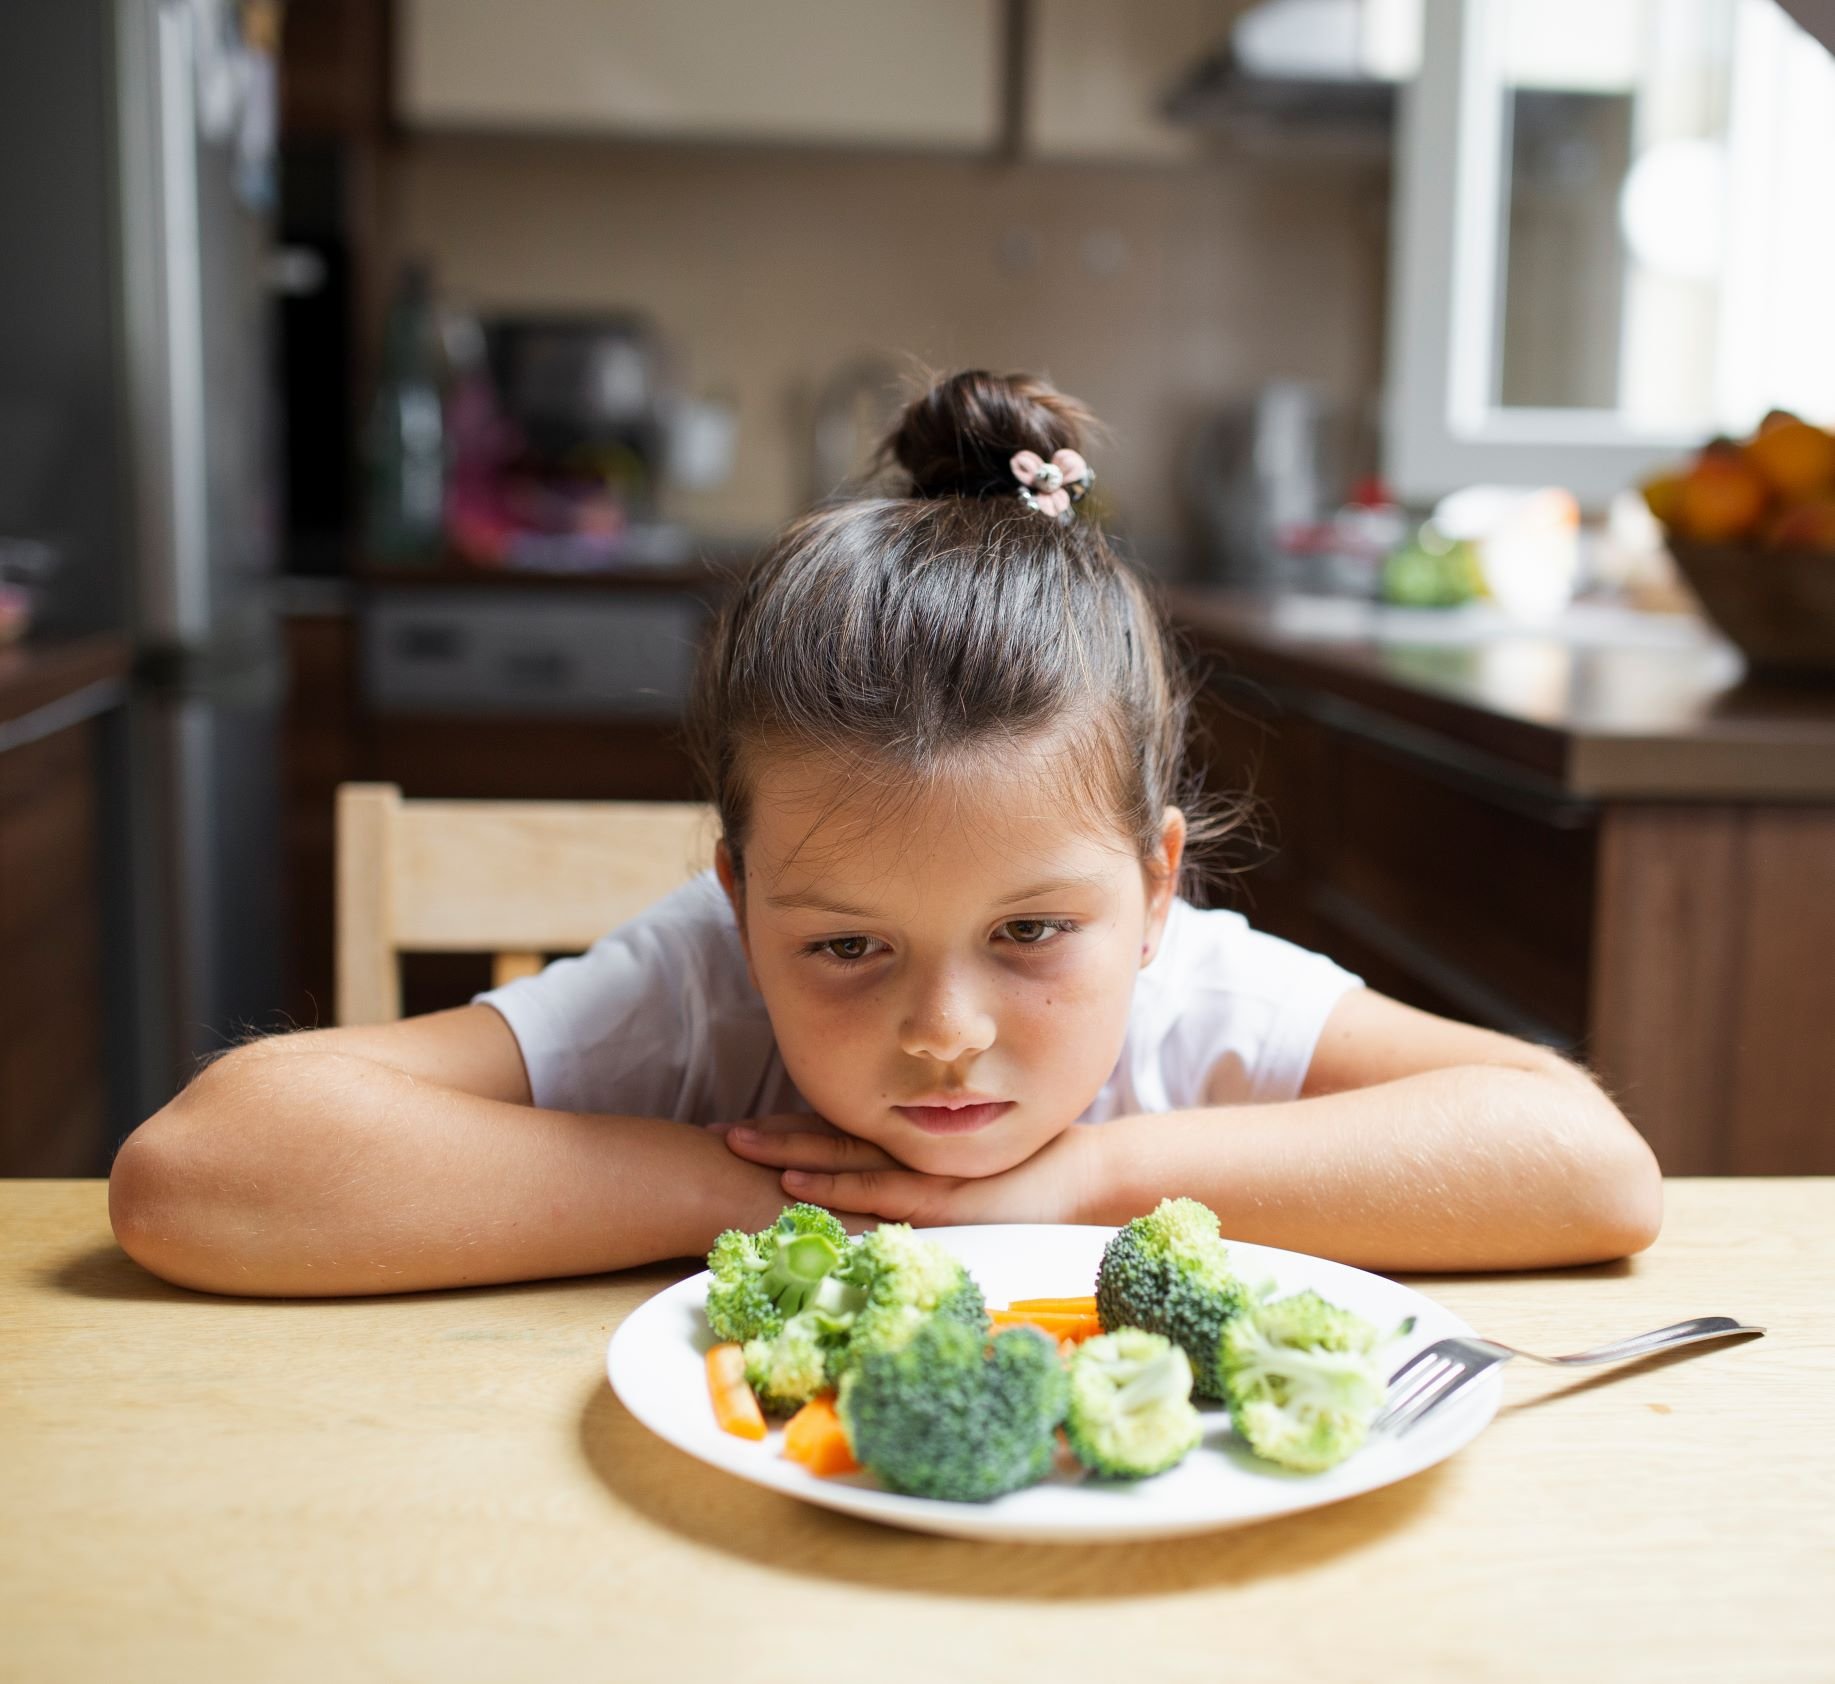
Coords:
975,946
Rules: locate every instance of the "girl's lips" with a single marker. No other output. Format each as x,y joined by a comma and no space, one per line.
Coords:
940,1119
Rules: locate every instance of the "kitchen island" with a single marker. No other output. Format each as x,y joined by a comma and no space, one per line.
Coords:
1596,835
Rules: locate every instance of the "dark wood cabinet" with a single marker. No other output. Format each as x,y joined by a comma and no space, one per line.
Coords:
333,736
1639,872
53,1010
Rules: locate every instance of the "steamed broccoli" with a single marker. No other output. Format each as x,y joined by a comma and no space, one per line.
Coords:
762,1280
1169,1272
1302,1380
1130,1404
903,1280
948,1414
789,1368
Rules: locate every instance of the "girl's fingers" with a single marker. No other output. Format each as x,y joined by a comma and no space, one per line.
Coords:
893,1195
806,1151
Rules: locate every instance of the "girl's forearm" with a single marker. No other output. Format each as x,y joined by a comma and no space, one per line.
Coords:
1475,1167
320,1173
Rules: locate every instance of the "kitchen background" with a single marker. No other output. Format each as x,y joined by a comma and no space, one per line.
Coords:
388,390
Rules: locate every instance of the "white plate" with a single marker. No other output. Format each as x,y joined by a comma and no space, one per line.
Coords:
655,1363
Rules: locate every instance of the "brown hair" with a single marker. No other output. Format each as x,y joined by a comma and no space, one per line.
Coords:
896,634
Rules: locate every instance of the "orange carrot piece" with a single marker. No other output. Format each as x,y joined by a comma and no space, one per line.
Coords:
815,1437
1058,1306
735,1404
1056,1325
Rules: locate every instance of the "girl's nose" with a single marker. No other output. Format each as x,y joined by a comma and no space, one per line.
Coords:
945,1024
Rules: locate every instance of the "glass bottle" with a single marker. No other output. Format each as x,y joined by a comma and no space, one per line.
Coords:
405,442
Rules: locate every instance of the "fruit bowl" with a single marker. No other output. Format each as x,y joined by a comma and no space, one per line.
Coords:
1751,524
1778,606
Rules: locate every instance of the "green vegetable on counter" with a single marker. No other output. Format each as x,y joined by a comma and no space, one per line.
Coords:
1432,571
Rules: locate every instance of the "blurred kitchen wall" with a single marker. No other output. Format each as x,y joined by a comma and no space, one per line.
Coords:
1151,291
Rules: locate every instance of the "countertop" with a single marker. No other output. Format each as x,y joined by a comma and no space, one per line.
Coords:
42,673
444,1485
1608,703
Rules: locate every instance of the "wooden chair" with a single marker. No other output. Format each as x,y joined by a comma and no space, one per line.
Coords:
520,880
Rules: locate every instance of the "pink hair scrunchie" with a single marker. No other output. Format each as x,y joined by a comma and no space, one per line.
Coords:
1051,487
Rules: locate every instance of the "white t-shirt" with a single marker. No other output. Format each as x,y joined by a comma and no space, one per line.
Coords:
660,1019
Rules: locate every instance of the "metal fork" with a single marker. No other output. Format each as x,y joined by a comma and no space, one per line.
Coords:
1432,1376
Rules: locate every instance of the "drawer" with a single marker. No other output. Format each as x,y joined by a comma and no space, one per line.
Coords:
598,654
1479,897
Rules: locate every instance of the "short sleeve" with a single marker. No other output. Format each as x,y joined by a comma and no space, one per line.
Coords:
619,1028
1233,1000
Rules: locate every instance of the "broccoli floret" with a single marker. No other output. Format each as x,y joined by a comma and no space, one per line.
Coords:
1130,1404
1302,1379
948,1414
762,1280
789,1368
1169,1272
804,1356
903,1280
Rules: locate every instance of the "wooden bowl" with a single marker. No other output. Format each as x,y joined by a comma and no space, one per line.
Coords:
1778,606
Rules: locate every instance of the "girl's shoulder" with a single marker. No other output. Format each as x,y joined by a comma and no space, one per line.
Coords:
1226,1012
1218,949
693,930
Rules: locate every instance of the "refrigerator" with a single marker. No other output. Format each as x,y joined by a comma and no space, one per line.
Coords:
137,441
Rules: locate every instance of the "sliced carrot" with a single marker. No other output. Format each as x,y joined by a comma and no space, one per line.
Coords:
735,1404
1060,1306
1056,1324
815,1437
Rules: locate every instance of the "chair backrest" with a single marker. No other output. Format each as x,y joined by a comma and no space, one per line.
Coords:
520,880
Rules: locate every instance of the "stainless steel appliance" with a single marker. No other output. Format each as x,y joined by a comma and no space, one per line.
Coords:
134,335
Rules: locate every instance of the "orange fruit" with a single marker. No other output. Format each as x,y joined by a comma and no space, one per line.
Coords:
1663,496
1795,459
1720,500
1804,526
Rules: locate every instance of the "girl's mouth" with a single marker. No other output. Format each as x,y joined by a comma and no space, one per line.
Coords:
966,1119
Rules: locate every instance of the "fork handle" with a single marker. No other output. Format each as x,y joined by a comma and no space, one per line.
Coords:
1639,1344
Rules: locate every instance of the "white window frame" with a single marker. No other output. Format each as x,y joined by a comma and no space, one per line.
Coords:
1442,428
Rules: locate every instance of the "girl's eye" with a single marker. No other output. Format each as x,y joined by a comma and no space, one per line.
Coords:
833,949
1024,932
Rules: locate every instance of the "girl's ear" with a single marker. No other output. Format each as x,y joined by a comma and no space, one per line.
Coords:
735,892
1163,880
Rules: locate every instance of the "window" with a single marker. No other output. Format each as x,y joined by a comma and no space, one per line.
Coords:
1611,239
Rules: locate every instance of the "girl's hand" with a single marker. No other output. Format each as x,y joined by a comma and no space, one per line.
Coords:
1061,1182
764,1140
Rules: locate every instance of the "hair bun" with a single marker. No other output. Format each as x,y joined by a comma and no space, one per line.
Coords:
958,438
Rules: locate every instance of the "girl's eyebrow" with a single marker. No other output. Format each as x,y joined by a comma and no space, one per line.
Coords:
810,900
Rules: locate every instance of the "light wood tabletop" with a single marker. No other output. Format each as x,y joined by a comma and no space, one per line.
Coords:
444,1484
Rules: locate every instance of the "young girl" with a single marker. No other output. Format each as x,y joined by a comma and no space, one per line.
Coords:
940,972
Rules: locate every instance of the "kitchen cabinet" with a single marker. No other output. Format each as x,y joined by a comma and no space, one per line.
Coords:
906,73
1621,851
53,983
337,729
1096,71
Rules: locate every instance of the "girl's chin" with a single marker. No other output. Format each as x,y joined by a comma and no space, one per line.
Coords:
966,1161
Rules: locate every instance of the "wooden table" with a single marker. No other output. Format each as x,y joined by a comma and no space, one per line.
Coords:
444,1485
